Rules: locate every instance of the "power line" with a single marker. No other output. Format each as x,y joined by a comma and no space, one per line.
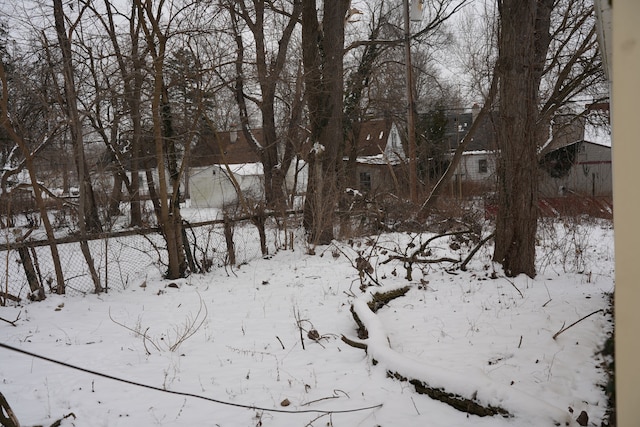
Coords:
180,393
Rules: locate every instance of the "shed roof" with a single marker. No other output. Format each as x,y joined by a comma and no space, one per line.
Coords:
221,147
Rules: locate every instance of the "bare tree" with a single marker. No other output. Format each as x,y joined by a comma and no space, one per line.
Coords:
322,51
275,151
167,202
547,54
132,71
11,130
374,63
88,219
522,45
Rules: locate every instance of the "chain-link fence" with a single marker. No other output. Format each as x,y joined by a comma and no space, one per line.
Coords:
127,258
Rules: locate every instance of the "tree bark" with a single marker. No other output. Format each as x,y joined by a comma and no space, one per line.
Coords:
522,45
322,47
37,291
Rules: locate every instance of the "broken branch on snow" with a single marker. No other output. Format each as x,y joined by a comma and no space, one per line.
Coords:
470,405
470,391
562,329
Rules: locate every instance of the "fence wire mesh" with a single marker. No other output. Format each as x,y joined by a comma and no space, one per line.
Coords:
125,260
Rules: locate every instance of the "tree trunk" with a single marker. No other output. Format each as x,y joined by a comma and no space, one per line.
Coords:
132,80
88,219
37,291
116,193
166,204
322,47
522,45
88,215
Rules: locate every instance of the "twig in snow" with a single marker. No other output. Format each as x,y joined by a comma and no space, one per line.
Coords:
352,343
142,334
335,396
310,423
414,405
562,329
12,322
296,315
463,266
514,285
58,423
548,293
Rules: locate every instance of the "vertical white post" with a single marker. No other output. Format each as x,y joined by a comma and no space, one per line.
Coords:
626,176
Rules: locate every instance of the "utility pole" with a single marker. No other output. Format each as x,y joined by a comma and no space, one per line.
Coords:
411,128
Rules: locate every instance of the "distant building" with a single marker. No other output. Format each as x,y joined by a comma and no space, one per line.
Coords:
574,160
579,166
220,160
376,163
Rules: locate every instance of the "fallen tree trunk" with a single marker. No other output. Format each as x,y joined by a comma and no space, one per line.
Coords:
468,390
470,404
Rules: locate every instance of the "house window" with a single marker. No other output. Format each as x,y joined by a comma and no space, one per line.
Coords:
482,166
365,181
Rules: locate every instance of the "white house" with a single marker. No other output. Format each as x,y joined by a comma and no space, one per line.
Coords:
224,157
213,186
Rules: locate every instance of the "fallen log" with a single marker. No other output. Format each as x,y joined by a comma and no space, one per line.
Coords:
468,404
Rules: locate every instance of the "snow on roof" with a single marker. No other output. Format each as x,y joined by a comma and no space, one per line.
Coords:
379,159
600,135
245,169
475,152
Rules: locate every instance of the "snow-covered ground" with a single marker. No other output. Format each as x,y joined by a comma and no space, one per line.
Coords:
235,337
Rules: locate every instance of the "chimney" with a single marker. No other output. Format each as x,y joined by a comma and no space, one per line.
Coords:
233,135
475,110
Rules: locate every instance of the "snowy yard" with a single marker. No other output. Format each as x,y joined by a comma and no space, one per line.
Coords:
237,335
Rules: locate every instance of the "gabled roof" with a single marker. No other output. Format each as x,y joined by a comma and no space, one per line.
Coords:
219,147
563,134
458,125
600,135
484,138
372,137
377,143
215,148
577,130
